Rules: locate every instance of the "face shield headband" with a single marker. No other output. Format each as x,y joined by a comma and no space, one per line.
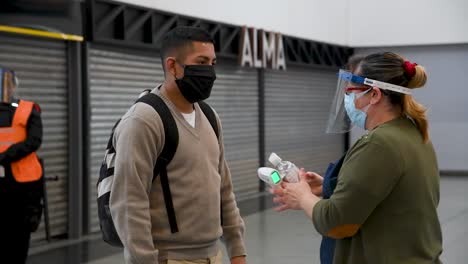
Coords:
359,80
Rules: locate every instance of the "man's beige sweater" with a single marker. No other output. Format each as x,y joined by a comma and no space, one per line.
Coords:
199,179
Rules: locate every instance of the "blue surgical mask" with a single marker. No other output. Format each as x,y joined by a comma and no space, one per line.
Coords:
357,117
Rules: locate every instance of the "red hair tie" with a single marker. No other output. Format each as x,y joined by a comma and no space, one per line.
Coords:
410,69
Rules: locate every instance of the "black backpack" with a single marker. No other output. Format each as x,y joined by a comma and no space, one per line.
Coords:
106,174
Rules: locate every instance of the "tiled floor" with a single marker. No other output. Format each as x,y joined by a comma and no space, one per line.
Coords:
289,237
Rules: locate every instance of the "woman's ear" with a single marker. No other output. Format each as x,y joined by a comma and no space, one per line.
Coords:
376,95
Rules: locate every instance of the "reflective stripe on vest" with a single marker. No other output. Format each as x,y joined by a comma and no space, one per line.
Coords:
28,168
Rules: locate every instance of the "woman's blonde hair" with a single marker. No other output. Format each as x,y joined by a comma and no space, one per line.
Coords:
393,68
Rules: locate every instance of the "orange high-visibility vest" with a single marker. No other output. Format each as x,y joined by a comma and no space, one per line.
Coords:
29,168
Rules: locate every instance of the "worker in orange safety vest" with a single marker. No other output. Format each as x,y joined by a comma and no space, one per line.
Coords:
21,172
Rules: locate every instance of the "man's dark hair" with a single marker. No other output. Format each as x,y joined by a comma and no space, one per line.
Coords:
177,41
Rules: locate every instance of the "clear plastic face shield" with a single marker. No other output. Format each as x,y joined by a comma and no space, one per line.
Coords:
8,84
351,87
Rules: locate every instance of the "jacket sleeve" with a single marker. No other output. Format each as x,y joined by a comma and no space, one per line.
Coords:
368,175
32,143
233,224
137,143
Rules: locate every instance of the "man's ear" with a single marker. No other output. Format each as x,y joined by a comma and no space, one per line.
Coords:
170,66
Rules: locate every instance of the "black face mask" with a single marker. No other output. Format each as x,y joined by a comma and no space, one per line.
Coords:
197,82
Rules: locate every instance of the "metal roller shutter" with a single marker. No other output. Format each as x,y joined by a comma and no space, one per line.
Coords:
116,79
235,98
41,66
297,105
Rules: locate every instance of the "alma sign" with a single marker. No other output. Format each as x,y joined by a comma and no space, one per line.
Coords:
261,49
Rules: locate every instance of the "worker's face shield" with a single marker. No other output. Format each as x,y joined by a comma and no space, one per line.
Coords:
8,84
352,86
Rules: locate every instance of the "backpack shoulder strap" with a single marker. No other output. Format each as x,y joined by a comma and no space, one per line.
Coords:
171,135
210,115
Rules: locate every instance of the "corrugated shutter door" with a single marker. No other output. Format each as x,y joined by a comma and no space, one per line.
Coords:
116,79
41,66
235,98
297,106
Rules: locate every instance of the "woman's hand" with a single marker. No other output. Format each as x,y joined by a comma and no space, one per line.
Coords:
295,195
314,180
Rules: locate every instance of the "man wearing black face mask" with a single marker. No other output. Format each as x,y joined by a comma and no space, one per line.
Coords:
198,175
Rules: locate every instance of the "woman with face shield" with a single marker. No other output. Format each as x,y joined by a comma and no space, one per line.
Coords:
384,206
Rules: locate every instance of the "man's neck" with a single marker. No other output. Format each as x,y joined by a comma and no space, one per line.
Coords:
171,92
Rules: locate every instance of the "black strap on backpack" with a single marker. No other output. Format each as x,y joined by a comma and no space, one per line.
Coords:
171,135
170,146
210,115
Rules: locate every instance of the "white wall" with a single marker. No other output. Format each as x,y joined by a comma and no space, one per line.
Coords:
446,98
318,20
355,23
407,22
